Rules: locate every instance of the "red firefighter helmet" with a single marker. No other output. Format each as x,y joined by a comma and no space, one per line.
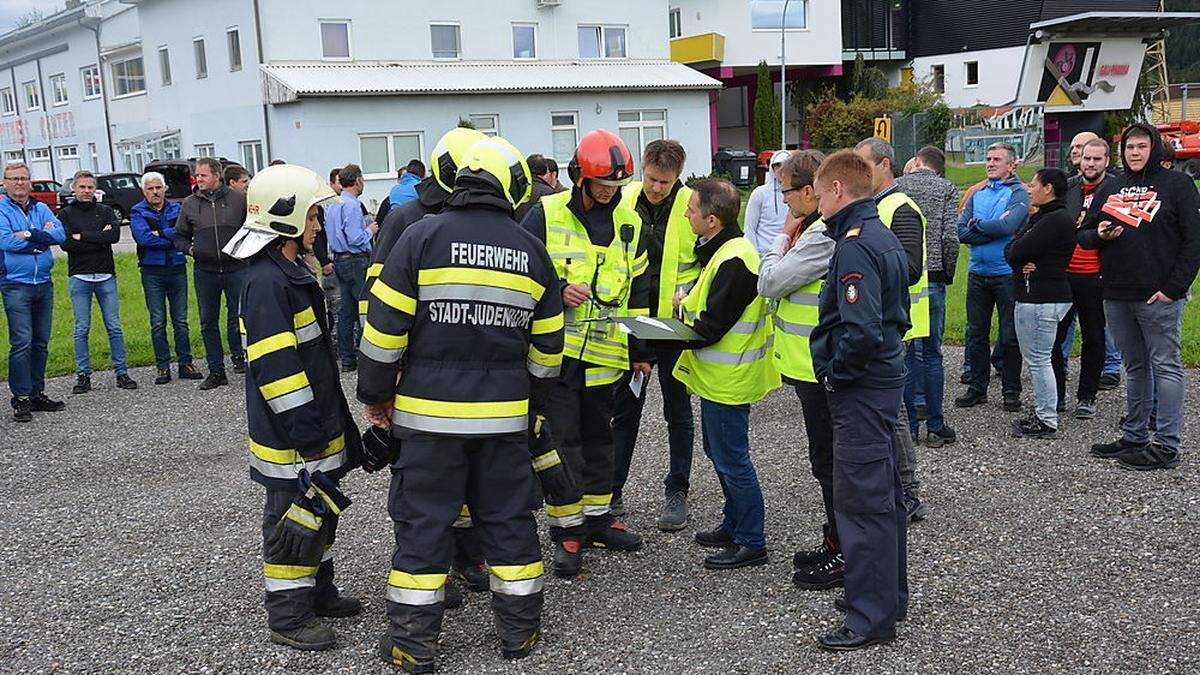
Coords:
603,157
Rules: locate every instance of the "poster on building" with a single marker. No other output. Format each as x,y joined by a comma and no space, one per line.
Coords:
1082,74
975,147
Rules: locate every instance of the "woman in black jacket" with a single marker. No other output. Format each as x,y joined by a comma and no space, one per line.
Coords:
1039,254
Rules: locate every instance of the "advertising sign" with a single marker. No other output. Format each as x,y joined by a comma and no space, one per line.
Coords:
1082,74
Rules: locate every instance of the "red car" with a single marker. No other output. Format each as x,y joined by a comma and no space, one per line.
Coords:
46,192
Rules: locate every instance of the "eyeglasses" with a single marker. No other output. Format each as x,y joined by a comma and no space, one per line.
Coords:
792,189
17,179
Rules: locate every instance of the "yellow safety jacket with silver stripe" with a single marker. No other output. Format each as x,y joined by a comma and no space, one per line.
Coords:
679,267
295,407
918,293
795,318
609,272
467,308
739,368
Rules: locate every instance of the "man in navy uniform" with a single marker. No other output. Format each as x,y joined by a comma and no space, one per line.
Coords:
858,354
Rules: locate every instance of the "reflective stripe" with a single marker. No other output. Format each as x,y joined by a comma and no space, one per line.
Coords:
304,317
393,298
502,296
461,409
379,354
374,270
746,327
303,516
409,596
524,587
564,230
480,277
543,365
562,510
327,555
277,456
805,298
800,329
548,325
914,298
424,582
714,356
597,377
596,505
543,372
284,385
380,346
270,344
459,426
308,333
416,589
546,461
295,399
288,577
517,579
276,463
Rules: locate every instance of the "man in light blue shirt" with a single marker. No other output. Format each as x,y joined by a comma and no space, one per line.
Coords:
349,233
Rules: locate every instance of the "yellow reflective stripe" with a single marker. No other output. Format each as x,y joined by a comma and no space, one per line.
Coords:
549,325
564,509
278,456
275,571
462,410
464,511
284,385
393,298
241,326
374,270
303,516
546,461
480,277
518,572
270,344
382,339
420,582
597,500
639,311
304,317
543,359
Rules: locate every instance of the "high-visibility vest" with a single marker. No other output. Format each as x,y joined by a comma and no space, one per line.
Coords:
679,269
739,368
608,271
918,293
796,315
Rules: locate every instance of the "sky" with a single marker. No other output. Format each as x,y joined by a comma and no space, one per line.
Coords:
11,10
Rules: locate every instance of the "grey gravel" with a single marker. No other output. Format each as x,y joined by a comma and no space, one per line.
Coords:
129,543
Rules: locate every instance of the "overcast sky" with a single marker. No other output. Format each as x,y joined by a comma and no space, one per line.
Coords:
11,10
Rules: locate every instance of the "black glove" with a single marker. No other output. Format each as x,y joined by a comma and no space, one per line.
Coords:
297,537
379,449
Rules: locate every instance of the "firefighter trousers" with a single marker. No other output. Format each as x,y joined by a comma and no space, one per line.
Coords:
293,593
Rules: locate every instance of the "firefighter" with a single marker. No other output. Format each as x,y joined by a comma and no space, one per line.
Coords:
594,238
302,436
464,310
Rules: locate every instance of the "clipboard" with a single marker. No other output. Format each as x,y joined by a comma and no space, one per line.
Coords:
645,328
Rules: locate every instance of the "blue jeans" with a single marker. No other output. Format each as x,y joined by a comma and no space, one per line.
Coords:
210,286
351,273
984,293
29,308
1112,355
1149,338
81,303
1037,326
926,371
726,433
163,284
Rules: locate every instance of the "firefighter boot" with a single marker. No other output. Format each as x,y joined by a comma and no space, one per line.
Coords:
567,558
398,657
313,636
612,536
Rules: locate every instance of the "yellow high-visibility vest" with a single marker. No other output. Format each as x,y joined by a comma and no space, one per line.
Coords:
918,293
795,317
680,269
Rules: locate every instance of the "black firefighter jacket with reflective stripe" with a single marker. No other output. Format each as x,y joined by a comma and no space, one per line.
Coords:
294,400
467,307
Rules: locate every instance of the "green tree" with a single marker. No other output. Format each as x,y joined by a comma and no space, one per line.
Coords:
867,81
766,112
465,123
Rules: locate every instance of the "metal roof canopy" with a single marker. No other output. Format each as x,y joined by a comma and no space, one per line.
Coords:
1130,24
287,82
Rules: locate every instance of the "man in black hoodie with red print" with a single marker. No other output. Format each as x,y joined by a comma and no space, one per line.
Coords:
1147,228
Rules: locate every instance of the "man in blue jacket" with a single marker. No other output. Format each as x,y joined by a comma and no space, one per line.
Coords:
991,216
27,231
164,276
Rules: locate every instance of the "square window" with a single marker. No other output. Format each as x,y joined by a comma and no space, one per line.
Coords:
335,39
206,150
8,103
589,42
444,41
614,43
33,97
564,135
405,148
91,81
58,88
524,41
382,154
252,156
129,77
640,127
201,57
164,65
768,14
234,40
489,125
602,42
972,73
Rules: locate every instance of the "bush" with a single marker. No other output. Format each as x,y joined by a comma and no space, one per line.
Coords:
834,123
938,121
695,178
766,112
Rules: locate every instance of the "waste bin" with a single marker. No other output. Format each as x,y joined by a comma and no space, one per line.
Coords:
740,164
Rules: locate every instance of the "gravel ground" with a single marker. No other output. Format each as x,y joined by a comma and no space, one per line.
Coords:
129,544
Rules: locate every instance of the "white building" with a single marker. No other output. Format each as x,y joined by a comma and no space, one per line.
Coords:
324,84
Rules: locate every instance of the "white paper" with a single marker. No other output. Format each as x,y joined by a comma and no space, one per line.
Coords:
637,382
623,328
653,322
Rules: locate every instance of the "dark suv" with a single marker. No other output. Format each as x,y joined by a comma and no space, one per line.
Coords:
181,174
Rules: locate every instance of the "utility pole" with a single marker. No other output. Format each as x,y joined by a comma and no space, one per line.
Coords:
783,77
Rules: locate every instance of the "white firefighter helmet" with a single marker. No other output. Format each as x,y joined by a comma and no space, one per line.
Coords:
277,204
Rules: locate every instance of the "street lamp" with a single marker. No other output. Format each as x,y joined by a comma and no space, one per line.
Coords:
783,77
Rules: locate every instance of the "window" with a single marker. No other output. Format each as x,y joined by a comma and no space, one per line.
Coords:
164,65
95,157
335,39
524,40
676,22
68,152
938,74
382,155
251,153
13,156
206,150
58,89
596,42
639,127
972,73
564,135
129,77
39,154
444,41
489,125
7,103
201,58
91,81
234,40
768,14
33,97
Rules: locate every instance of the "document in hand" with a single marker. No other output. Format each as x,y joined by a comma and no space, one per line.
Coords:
647,328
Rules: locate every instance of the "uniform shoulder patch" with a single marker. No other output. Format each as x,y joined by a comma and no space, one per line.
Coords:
852,293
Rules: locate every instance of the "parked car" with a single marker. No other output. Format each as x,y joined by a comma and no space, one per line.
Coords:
181,174
119,190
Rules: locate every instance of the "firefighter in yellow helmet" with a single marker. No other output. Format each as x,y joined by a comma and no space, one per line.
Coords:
465,309
302,436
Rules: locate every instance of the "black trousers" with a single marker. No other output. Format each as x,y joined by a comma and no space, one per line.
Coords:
868,500
677,411
431,481
291,609
1087,302
580,420
818,426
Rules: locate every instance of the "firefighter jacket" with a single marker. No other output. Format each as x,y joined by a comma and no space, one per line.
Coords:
295,406
465,309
